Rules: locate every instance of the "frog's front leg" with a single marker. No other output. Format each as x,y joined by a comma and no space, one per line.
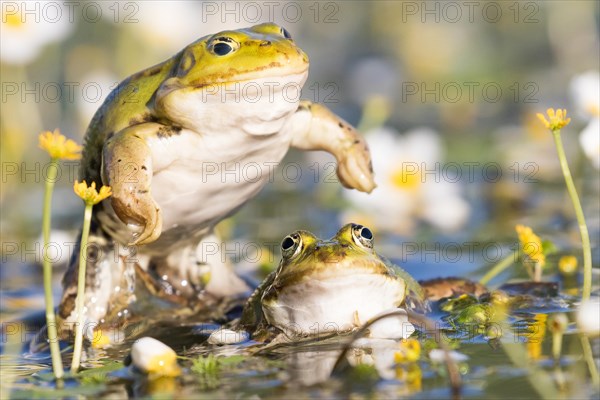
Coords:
127,168
315,127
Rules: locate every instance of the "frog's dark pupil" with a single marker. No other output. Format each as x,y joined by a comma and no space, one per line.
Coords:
287,243
366,233
285,33
221,49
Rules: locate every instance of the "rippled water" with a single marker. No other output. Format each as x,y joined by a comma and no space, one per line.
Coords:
305,370
295,371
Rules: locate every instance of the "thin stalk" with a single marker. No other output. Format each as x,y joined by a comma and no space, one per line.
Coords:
557,338
57,365
79,303
585,237
430,326
537,272
589,358
498,268
540,380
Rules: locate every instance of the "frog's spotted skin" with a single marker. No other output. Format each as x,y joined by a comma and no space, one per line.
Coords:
328,285
176,143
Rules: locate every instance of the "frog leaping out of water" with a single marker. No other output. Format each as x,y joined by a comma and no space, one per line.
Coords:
167,140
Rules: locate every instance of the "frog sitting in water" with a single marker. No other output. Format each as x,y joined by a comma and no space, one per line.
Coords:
173,142
328,286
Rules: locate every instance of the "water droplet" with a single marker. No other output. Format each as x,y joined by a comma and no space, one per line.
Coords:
184,283
164,277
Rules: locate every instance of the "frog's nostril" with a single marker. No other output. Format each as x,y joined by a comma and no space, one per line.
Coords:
265,43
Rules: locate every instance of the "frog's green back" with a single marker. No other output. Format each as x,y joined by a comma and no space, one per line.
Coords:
413,287
128,104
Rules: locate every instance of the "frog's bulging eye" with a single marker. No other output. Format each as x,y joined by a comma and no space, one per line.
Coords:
362,236
286,34
366,233
290,245
223,45
287,243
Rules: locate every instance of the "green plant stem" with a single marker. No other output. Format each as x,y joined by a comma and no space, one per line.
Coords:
57,365
79,303
498,268
589,358
557,346
540,380
537,272
585,237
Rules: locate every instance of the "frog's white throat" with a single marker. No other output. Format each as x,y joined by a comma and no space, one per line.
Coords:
321,306
258,107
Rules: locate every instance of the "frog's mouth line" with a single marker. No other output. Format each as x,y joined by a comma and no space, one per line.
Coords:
273,82
302,75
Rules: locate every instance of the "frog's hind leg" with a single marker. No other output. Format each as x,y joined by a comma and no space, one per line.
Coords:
109,283
223,280
198,275
122,287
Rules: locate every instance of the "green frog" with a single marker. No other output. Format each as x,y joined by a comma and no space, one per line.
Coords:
329,286
183,145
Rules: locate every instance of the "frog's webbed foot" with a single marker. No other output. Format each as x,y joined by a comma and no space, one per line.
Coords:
355,169
127,168
315,127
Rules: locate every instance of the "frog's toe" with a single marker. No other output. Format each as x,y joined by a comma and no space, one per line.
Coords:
142,216
151,230
356,171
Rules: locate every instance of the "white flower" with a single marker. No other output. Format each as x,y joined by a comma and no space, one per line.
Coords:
589,139
588,317
59,248
410,184
99,84
585,90
23,34
438,356
152,356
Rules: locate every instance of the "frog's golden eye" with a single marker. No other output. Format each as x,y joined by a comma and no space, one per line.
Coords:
291,244
223,45
285,33
362,236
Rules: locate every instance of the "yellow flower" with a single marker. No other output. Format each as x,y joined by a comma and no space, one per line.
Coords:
89,194
58,146
567,265
100,339
558,119
535,336
531,244
409,351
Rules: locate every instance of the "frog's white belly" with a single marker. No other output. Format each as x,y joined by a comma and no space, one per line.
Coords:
207,181
236,136
338,304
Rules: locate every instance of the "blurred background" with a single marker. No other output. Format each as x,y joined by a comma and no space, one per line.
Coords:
445,93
